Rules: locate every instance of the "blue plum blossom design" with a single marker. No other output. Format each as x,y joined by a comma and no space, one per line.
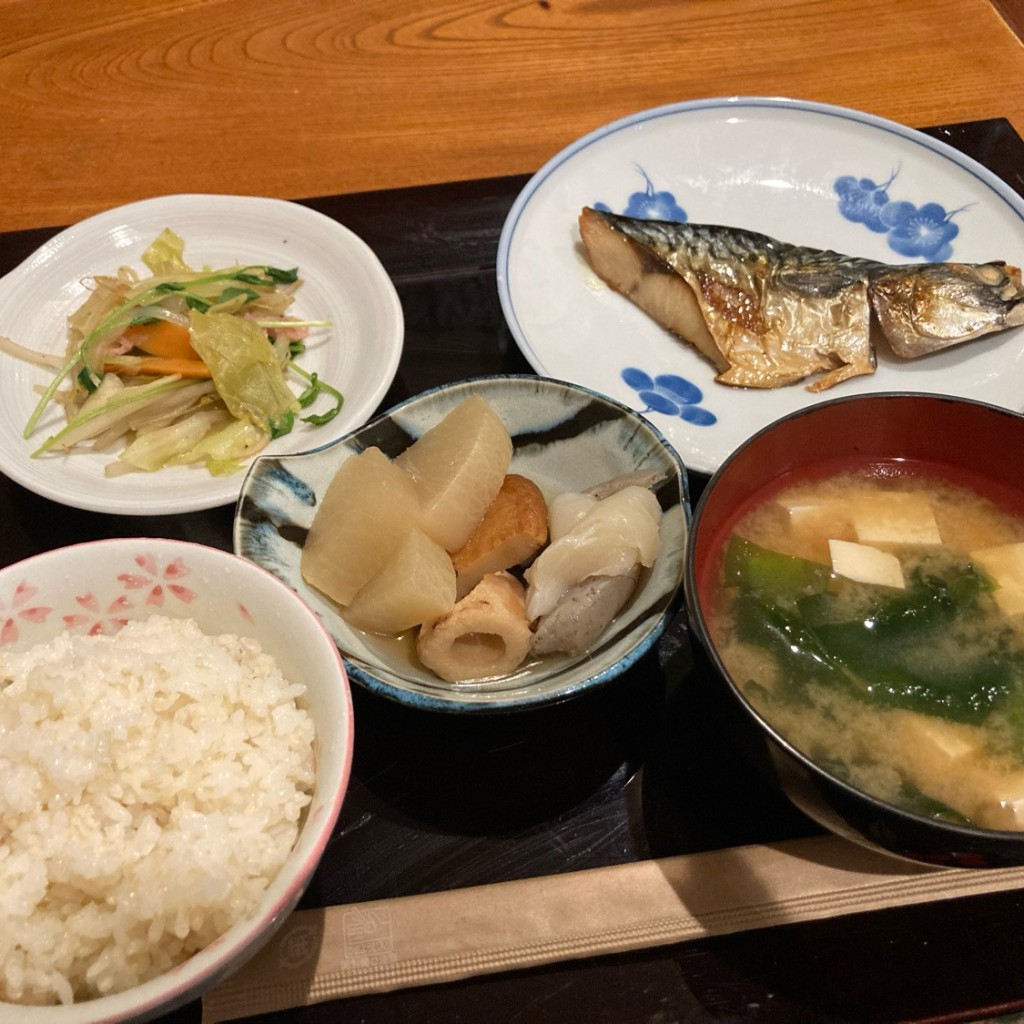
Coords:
670,395
862,201
919,232
924,232
649,204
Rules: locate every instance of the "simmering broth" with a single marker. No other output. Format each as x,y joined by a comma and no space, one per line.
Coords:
875,619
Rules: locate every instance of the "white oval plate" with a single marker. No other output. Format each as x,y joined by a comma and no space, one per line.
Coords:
770,165
343,281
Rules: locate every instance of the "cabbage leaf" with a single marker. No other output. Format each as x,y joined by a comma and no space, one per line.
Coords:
166,254
245,370
223,450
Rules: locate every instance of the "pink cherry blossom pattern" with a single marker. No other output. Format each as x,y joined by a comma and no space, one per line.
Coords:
21,607
89,620
156,580
145,585
93,619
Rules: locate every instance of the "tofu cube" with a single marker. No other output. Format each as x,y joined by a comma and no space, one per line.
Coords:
1003,806
865,564
939,745
819,517
894,519
1005,564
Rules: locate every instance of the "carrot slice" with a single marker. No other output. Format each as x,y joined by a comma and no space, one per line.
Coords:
162,338
155,366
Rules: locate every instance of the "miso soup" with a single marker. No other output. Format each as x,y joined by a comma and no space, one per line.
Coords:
876,620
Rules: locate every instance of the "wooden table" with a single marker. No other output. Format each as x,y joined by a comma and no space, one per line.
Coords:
103,101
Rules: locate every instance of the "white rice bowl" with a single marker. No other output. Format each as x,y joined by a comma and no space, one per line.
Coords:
163,795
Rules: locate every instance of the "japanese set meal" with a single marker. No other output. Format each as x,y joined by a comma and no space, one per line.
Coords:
766,313
444,541
874,616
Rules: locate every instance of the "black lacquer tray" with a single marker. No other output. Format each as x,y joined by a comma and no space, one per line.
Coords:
639,769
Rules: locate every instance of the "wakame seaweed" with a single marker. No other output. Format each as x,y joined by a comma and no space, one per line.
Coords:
898,649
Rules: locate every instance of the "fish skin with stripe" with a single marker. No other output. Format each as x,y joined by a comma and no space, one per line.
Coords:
767,314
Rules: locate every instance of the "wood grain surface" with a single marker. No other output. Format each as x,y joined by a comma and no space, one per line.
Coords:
103,102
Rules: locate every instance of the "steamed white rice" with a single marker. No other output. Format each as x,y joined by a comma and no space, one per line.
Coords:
151,786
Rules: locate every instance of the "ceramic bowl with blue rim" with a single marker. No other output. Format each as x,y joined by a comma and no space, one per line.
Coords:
565,438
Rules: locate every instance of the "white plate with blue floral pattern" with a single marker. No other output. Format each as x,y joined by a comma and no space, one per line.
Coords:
806,173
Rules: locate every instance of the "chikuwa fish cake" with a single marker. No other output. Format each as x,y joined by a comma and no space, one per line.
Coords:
767,313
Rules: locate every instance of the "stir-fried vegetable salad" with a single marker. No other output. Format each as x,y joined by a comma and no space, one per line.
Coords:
182,367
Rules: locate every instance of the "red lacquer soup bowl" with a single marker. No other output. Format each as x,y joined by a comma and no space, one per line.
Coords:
964,443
